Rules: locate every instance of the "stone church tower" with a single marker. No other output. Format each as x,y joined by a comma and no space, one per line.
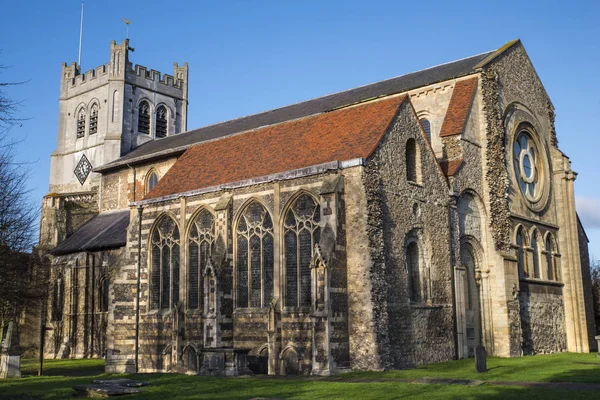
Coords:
104,114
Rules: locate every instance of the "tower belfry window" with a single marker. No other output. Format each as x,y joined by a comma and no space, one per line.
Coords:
161,122
81,124
144,117
94,119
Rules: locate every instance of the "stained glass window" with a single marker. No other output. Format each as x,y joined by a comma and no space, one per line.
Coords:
161,122
164,277
254,259
144,117
301,234
94,119
201,241
81,124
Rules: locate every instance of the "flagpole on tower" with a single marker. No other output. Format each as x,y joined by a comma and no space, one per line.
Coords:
80,36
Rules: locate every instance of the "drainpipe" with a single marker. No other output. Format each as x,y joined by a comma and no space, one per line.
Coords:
137,292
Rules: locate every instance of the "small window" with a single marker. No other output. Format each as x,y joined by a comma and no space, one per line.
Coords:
161,122
536,256
412,161
152,181
81,124
144,117
94,119
426,127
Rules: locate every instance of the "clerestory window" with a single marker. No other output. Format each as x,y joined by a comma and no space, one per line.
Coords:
301,233
426,127
255,257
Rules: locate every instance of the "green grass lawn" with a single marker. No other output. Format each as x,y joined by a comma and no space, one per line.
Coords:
61,375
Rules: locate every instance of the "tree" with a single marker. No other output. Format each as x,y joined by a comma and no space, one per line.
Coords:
595,270
20,283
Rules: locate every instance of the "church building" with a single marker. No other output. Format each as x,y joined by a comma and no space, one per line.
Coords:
395,224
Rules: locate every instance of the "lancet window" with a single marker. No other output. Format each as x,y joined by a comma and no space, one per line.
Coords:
81,124
152,181
301,234
521,257
144,117
552,258
426,127
103,294
200,245
161,122
94,119
415,275
255,257
164,278
413,162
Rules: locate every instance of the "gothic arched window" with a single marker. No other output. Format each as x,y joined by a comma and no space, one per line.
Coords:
81,124
414,267
144,117
301,233
103,294
426,127
151,182
536,255
58,298
94,119
161,122
521,258
254,260
164,280
552,258
201,241
412,161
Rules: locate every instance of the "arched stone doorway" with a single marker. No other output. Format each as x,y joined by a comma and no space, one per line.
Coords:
290,362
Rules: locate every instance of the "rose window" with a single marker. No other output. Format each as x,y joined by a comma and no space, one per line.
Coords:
528,166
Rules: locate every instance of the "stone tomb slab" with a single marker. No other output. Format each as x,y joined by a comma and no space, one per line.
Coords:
102,390
121,382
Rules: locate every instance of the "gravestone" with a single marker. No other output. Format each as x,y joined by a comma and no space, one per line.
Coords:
480,359
598,342
10,365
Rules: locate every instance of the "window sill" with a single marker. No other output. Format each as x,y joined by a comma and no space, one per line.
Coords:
251,310
413,183
538,281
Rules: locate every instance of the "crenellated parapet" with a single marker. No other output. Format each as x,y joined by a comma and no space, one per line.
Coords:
156,76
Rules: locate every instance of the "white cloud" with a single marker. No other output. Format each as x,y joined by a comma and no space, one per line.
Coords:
588,209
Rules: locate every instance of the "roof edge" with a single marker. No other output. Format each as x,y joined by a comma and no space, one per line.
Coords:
279,176
495,54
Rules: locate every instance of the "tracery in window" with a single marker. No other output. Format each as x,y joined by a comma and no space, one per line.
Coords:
151,182
200,245
81,124
103,288
426,127
301,233
164,278
413,163
94,119
161,122
255,257
528,166
58,298
144,117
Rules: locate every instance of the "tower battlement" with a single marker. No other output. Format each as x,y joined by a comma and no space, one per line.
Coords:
156,76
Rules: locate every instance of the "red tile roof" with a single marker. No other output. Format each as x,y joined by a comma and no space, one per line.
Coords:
449,168
339,135
458,109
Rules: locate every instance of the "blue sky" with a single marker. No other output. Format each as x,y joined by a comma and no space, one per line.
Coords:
249,56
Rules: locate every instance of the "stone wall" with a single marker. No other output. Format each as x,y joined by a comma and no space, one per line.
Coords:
407,333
